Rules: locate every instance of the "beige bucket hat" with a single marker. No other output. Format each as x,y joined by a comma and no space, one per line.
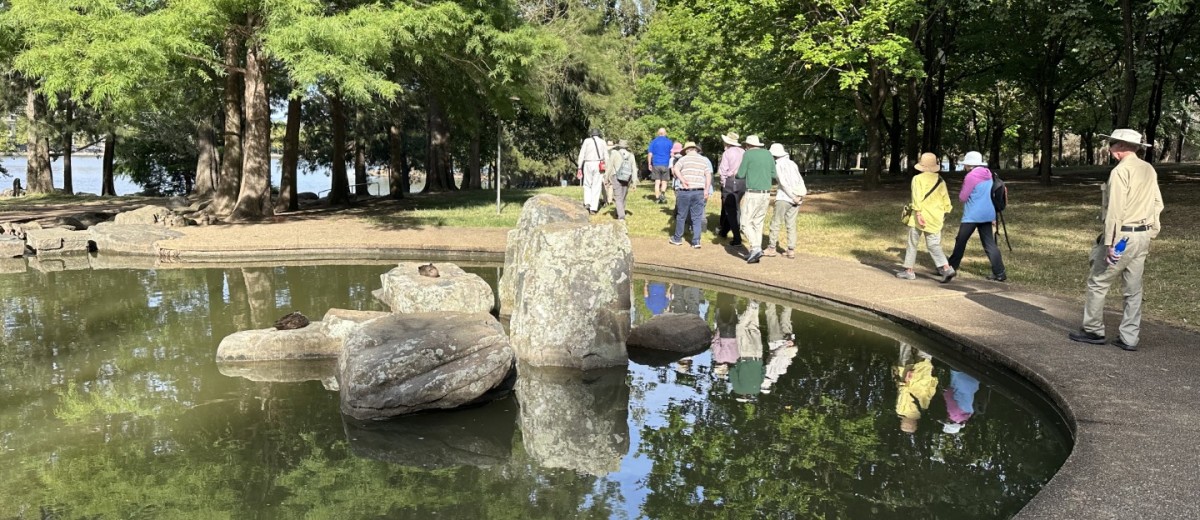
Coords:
928,163
622,144
752,140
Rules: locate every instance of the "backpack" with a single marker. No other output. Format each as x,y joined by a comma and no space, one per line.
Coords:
625,172
999,193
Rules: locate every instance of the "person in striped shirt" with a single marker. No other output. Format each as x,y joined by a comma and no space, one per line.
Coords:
694,173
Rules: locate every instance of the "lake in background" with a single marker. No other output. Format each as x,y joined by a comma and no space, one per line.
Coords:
87,173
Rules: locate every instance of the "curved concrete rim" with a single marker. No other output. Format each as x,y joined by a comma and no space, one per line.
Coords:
1132,415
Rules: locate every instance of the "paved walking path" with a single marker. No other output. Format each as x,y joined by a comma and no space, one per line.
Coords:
1134,415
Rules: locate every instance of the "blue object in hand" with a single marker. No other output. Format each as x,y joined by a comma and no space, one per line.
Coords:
1118,250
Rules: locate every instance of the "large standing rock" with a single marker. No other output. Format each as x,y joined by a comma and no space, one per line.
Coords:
686,334
406,363
54,242
311,342
574,419
573,304
454,290
139,239
537,211
11,247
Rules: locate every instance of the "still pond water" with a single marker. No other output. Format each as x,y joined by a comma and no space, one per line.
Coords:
111,406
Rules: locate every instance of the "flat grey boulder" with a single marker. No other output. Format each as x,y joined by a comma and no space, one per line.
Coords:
13,265
339,323
54,242
574,419
405,363
151,215
406,290
572,302
311,342
686,334
538,211
138,239
11,247
282,371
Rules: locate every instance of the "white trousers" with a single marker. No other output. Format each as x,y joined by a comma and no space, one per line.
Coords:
593,184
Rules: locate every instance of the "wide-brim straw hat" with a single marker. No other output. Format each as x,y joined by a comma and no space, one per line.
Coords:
928,163
752,140
1127,135
777,150
622,144
731,139
688,146
973,159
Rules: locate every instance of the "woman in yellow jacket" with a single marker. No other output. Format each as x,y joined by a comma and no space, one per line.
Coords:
917,386
930,204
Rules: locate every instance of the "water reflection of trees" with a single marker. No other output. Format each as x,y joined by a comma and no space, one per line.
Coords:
826,444
111,407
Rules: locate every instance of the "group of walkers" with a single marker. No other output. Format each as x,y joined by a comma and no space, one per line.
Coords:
747,170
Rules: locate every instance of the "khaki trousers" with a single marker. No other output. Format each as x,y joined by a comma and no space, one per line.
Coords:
785,216
1129,268
753,214
933,242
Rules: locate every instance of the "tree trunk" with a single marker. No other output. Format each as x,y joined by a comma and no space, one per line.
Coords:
1157,88
1060,146
912,139
107,186
229,185
38,178
894,135
206,162
254,198
288,199
474,164
68,142
1049,110
1129,74
339,189
1179,142
438,176
395,152
360,167
996,122
1089,149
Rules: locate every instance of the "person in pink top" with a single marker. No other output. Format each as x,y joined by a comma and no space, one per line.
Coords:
978,214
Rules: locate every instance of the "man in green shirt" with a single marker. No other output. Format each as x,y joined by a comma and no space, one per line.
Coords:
758,169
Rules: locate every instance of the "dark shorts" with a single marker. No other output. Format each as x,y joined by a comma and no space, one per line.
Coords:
660,173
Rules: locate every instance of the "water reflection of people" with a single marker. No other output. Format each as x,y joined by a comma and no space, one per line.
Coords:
916,386
747,375
658,296
685,300
781,343
724,344
960,400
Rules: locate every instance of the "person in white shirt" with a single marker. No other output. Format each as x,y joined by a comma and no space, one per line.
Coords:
787,201
592,152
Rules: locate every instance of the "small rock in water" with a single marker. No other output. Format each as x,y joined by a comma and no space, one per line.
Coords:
292,321
428,270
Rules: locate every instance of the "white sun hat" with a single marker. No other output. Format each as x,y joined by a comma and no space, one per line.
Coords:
1127,135
973,159
777,150
752,140
731,139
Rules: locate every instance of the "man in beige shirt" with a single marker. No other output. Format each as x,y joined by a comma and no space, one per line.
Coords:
1132,204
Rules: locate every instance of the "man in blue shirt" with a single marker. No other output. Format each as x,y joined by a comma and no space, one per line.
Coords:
658,160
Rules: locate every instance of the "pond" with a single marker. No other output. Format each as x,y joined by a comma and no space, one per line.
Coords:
111,406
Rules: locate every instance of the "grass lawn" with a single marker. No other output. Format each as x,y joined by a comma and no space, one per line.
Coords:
1051,229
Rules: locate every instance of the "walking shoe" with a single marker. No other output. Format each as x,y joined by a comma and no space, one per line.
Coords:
675,241
997,278
736,243
770,251
791,253
1084,336
948,274
695,246
754,257
1124,346
906,275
